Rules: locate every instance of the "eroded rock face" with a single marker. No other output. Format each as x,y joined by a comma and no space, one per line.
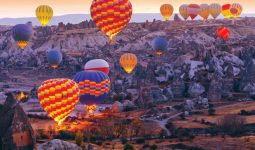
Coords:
16,131
58,145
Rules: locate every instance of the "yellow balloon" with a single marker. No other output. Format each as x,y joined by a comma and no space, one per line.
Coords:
166,11
128,61
184,11
236,10
204,11
44,14
215,10
226,11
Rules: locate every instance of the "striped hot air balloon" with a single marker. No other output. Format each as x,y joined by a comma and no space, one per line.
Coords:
58,98
184,11
94,87
223,33
193,10
236,9
128,61
204,11
22,33
44,14
111,16
97,65
166,11
226,11
215,10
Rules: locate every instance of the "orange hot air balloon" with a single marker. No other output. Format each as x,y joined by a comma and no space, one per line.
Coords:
223,33
166,11
128,61
111,16
236,9
183,10
58,98
193,10
204,11
226,11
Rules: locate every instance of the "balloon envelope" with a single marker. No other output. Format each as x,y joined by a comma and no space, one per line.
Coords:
166,11
22,33
204,11
44,14
97,65
184,11
128,61
193,10
236,10
94,86
159,44
111,16
223,33
58,98
226,11
215,10
54,58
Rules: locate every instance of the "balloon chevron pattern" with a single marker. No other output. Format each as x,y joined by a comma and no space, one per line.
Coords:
111,16
58,98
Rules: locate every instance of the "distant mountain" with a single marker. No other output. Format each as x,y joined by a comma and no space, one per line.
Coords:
77,18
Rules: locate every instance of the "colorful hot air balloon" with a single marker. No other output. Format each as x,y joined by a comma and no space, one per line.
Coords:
223,33
236,9
128,61
159,44
204,11
22,33
54,58
215,10
193,10
44,14
111,16
226,11
97,65
184,11
166,11
58,98
94,87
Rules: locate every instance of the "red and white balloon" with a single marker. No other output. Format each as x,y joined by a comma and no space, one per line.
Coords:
97,65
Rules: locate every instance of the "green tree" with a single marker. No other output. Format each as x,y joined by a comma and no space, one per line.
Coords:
128,146
79,138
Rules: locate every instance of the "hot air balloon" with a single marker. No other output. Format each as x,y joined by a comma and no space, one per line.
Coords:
226,11
166,11
159,44
94,87
111,16
54,58
22,33
204,11
97,65
215,10
193,10
223,33
44,14
58,98
184,11
128,61
236,9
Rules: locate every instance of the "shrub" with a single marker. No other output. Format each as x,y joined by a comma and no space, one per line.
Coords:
232,124
153,147
128,146
79,138
65,135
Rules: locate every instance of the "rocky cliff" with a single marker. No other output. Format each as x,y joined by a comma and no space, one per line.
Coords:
195,57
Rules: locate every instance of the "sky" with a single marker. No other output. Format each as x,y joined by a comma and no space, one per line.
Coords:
26,8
